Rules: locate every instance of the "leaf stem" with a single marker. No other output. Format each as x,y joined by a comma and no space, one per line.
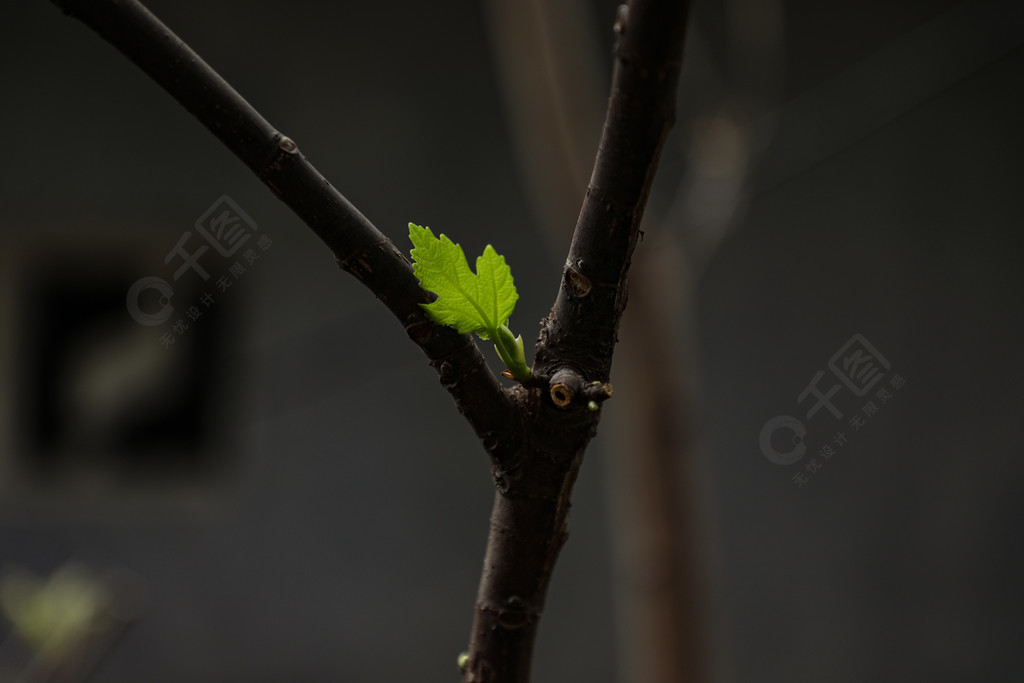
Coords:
510,350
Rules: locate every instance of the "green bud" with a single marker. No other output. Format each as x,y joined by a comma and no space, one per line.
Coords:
510,350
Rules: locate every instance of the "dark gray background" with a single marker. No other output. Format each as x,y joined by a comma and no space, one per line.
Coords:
341,535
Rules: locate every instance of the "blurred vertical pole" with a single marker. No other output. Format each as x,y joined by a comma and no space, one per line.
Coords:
556,98
658,558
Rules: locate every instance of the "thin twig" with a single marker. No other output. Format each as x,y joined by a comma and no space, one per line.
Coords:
357,245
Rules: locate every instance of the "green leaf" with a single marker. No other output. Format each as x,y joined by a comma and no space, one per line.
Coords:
479,303
470,302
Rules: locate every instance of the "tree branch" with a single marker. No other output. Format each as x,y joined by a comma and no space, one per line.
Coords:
357,245
582,326
658,582
529,522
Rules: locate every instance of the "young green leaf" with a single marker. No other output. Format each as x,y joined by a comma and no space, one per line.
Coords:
478,303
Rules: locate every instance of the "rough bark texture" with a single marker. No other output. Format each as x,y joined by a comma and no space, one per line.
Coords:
658,580
536,435
531,507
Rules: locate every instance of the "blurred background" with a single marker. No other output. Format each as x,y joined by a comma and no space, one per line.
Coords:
221,459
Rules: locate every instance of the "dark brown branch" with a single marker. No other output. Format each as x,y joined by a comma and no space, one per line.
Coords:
658,579
529,522
358,246
582,326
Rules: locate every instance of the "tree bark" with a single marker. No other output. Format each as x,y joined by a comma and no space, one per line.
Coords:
658,583
577,340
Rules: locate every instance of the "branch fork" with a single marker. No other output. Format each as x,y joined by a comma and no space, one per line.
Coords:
536,442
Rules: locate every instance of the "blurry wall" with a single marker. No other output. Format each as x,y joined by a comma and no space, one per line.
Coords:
284,493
